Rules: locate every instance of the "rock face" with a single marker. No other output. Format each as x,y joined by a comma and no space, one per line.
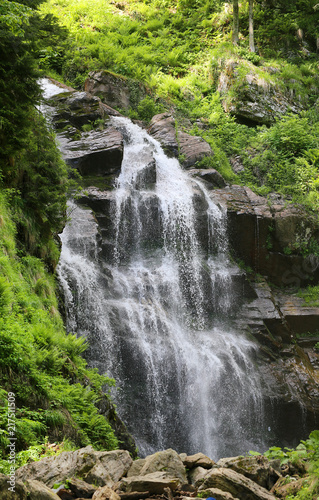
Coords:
115,90
77,109
268,236
191,148
97,153
210,176
94,153
256,100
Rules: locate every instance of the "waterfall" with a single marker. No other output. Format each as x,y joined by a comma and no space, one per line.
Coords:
158,309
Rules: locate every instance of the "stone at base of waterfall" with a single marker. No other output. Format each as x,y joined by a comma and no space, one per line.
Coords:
154,483
198,460
219,494
39,491
81,488
167,460
283,488
105,493
257,468
12,490
196,475
234,483
213,178
98,467
136,467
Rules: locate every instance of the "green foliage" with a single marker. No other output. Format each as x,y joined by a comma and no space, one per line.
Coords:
35,453
310,295
304,458
56,394
285,158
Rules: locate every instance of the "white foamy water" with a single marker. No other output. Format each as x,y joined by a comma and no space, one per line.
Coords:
158,313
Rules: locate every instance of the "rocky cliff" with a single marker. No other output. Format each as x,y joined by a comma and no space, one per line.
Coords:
266,235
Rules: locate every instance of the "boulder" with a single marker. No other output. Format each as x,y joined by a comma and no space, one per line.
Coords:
81,488
256,100
175,143
106,467
115,90
218,494
99,201
77,109
168,461
154,483
198,460
12,489
234,483
287,487
105,493
196,475
97,153
256,468
192,148
39,491
136,467
213,178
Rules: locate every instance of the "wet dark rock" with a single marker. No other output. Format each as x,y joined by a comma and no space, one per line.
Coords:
266,236
97,153
77,109
176,143
213,178
115,90
99,201
162,127
146,179
65,494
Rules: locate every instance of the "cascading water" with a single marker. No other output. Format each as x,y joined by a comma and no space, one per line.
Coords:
158,310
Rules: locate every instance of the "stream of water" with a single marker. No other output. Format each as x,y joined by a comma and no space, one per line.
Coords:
158,311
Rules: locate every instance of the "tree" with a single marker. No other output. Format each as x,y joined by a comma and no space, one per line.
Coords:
235,22
251,26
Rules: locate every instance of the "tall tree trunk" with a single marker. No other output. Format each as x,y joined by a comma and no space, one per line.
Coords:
235,22
251,26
